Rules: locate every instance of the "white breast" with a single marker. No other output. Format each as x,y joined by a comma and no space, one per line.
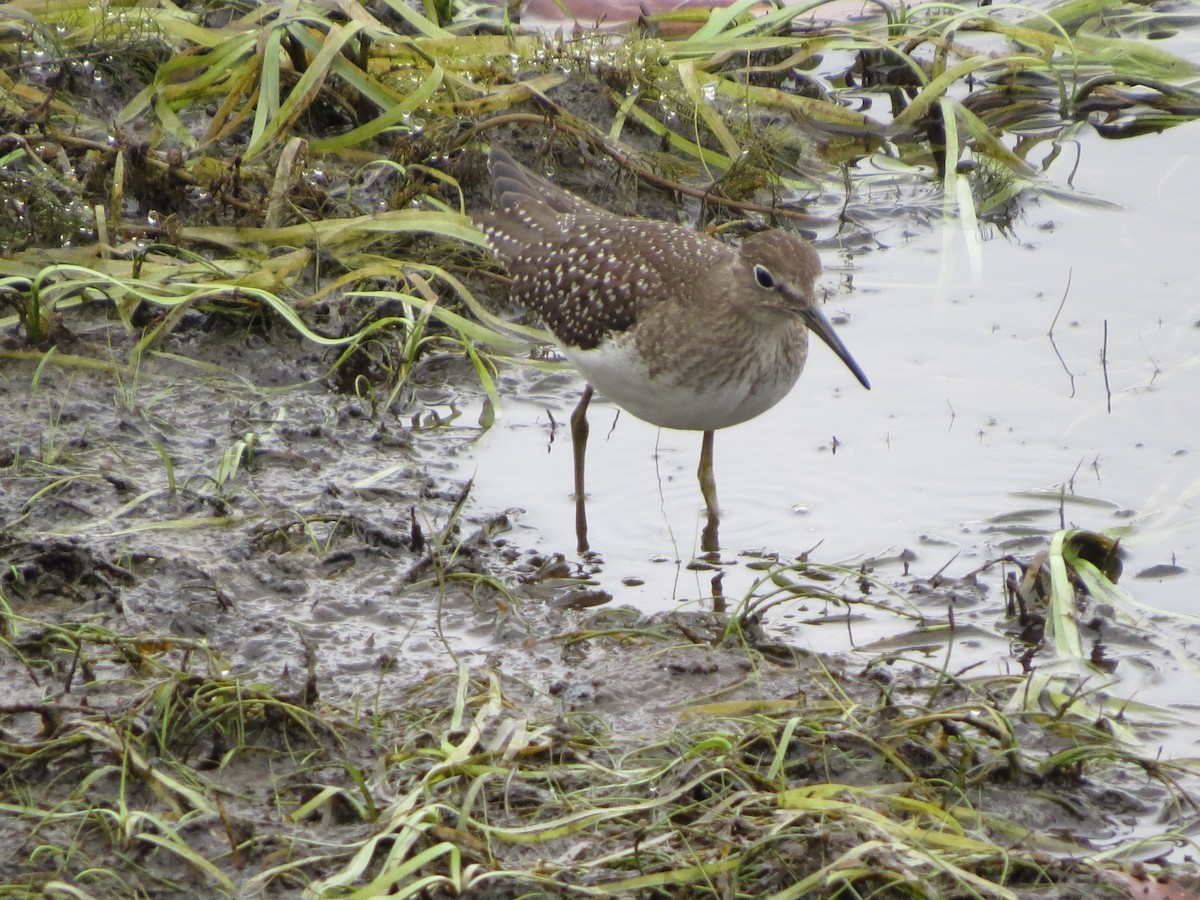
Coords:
705,393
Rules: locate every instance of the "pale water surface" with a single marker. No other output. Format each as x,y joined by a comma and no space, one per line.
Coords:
971,409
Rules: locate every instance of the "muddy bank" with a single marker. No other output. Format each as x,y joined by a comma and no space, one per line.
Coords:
257,638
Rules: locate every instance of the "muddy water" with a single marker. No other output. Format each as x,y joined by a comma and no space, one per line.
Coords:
975,437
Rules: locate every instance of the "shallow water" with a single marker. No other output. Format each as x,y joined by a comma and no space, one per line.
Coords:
972,416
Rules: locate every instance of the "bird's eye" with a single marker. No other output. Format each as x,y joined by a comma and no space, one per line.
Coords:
763,276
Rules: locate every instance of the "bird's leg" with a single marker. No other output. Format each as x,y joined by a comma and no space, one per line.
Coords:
579,437
709,542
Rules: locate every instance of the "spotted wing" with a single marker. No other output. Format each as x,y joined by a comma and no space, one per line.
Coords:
526,207
596,276
587,273
513,185
581,288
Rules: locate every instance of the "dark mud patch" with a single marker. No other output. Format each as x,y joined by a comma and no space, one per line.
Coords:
258,639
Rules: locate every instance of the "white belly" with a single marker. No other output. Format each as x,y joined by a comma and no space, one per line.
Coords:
708,394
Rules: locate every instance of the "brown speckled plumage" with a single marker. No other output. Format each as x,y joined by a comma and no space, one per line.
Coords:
677,327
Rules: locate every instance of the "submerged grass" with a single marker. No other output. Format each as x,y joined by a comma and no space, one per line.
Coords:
839,788
144,768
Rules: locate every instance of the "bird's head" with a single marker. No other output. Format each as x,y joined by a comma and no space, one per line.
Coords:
783,270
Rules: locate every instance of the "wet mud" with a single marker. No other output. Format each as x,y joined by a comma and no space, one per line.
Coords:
234,593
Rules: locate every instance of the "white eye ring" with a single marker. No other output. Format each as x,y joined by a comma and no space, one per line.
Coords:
763,276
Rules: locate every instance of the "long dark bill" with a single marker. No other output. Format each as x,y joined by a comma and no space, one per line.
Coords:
819,325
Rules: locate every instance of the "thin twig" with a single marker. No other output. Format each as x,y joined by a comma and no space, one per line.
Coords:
1104,366
1050,333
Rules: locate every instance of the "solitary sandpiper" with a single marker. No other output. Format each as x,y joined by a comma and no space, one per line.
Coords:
676,327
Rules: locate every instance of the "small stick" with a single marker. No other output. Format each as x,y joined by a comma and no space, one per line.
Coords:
1104,366
1050,333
